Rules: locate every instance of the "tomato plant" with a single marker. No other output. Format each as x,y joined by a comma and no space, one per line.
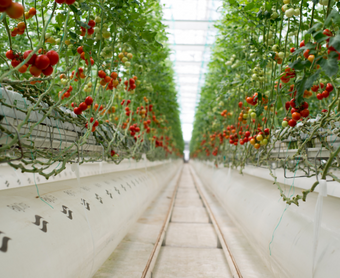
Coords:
273,81
101,66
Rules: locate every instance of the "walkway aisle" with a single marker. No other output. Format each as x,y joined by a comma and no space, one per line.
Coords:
191,247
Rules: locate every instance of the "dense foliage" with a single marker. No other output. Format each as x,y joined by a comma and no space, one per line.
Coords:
271,96
101,66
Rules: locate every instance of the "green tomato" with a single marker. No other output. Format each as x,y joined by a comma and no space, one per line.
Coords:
284,123
264,142
253,115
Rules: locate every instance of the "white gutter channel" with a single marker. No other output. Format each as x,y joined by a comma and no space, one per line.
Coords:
75,228
282,235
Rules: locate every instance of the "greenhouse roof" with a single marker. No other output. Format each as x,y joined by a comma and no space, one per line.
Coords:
191,34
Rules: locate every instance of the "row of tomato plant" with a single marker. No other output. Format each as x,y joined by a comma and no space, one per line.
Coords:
106,62
273,81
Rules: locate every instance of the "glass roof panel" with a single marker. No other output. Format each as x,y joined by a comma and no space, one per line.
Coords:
191,33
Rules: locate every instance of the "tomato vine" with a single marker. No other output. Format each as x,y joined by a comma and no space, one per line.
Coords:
271,96
99,71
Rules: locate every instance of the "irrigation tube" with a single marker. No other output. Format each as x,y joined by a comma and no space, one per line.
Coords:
255,206
73,229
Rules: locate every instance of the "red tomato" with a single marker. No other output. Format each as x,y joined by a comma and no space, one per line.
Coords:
101,74
53,56
77,111
96,123
325,94
48,71
70,2
35,71
80,50
329,87
319,96
15,62
15,10
302,43
90,31
296,116
10,55
92,23
82,106
292,123
292,50
5,3
32,59
304,113
306,53
89,101
23,69
327,33
42,62
315,88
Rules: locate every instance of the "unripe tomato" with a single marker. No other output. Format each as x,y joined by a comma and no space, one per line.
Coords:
284,123
253,115
311,58
259,137
257,146
264,142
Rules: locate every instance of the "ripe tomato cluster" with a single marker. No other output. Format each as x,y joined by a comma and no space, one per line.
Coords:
90,31
252,100
39,64
12,9
111,80
83,105
296,112
287,75
82,56
95,124
325,93
130,84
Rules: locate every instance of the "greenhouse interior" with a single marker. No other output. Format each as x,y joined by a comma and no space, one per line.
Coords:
169,138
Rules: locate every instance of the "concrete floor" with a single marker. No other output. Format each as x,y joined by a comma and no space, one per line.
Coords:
190,248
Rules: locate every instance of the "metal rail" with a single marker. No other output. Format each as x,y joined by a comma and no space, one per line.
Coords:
234,269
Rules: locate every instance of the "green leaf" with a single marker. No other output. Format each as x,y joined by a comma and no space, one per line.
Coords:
249,6
330,65
311,79
335,42
316,27
300,88
319,37
84,6
333,16
75,10
258,110
300,64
